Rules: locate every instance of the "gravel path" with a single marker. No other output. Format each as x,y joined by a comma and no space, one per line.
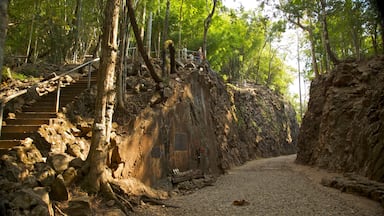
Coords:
275,186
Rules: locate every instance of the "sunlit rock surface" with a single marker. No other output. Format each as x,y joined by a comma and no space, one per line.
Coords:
343,127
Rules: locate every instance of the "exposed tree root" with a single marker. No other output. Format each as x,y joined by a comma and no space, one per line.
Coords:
122,203
117,192
157,202
58,210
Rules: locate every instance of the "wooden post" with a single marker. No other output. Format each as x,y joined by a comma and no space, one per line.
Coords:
2,105
89,76
58,96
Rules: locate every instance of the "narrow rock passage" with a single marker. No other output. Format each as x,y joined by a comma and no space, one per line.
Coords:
274,186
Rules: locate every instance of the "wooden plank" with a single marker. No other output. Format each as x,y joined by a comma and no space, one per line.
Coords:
20,128
15,136
27,121
6,144
36,115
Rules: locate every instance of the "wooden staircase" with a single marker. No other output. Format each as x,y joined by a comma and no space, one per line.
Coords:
26,123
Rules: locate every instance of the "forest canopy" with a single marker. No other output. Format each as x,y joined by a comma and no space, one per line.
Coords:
241,43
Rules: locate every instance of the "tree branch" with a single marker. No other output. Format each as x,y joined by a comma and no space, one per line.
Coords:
140,44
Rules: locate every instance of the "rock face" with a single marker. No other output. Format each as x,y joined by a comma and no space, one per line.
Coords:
343,127
203,124
266,122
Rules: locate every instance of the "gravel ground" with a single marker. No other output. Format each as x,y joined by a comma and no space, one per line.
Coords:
275,186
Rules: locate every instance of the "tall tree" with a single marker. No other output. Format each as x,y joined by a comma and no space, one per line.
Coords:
309,30
3,30
328,49
301,16
97,178
207,24
76,30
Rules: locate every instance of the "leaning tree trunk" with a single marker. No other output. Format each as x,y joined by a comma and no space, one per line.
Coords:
97,179
309,29
3,30
207,23
313,52
32,29
140,44
327,43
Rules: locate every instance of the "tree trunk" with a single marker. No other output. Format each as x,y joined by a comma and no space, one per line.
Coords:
29,49
122,57
207,23
142,31
140,44
382,33
311,41
172,57
313,53
149,34
330,53
97,179
259,59
3,30
356,43
180,27
269,79
164,38
76,30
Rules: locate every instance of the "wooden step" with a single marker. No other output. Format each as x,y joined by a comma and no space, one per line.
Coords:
39,115
40,109
43,103
52,100
63,97
74,88
19,128
93,80
26,121
15,136
6,144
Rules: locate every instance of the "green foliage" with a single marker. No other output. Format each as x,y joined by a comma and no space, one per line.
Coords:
49,29
353,27
240,43
7,73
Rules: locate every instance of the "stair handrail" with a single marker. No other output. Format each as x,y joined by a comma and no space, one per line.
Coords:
4,101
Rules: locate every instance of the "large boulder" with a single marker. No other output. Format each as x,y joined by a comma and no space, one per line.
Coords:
31,201
343,127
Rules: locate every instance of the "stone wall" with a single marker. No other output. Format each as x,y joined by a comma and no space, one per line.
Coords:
343,127
204,124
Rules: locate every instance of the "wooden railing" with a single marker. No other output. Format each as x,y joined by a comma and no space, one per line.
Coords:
4,101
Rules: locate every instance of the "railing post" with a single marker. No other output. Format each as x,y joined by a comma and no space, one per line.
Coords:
2,105
58,96
89,75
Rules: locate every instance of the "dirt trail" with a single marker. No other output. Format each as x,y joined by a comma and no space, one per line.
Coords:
275,186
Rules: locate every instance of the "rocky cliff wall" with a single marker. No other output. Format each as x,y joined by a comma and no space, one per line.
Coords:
343,127
266,121
202,124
